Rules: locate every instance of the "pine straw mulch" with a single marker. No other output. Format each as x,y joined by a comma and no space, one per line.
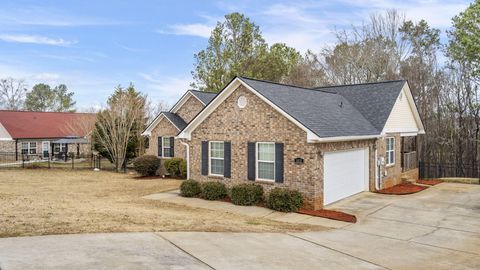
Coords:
402,189
429,182
330,214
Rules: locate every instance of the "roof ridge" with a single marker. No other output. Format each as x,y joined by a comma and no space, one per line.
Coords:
289,85
200,91
24,111
354,84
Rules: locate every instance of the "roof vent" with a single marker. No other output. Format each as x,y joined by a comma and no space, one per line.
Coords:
341,104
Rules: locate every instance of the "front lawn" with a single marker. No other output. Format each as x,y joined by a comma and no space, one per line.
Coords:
56,201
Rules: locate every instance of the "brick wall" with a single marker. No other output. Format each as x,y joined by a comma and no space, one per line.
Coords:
190,109
258,121
7,146
164,128
392,174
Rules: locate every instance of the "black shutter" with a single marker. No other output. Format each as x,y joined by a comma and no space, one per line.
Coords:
205,158
251,161
278,162
227,159
159,146
172,146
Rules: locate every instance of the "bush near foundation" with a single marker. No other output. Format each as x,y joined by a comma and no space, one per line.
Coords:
214,191
146,165
284,200
246,194
190,188
176,167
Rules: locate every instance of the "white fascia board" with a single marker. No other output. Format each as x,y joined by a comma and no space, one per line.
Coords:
148,131
401,130
186,133
346,138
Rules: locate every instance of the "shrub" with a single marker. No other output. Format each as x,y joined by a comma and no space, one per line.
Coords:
214,191
190,188
146,165
284,200
247,194
176,167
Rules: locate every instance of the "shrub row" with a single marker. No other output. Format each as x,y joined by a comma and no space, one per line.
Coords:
148,165
279,199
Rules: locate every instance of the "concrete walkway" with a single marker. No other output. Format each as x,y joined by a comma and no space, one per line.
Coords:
438,228
251,211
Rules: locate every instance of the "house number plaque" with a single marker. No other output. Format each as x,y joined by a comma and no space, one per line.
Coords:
298,161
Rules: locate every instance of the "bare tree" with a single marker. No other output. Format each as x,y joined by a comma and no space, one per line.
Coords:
155,108
119,122
12,93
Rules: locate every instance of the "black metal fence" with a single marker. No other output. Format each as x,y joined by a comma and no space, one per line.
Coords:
439,170
12,160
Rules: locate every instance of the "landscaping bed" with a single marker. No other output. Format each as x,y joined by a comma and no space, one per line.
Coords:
402,189
330,214
429,182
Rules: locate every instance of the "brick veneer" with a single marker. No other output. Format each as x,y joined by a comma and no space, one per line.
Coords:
190,109
7,146
259,122
390,175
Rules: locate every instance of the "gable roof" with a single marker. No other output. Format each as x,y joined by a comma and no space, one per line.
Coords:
373,100
204,97
176,120
333,113
325,114
37,125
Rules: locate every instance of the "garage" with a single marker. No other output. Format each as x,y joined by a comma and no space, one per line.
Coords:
345,174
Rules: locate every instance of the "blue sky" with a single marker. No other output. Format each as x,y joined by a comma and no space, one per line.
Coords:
92,46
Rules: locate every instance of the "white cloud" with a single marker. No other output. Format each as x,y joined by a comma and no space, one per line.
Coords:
194,29
35,39
165,88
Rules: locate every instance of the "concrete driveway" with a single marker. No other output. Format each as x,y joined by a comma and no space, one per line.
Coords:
438,228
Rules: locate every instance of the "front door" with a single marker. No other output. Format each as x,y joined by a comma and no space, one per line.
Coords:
46,149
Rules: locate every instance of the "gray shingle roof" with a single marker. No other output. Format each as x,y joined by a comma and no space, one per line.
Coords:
325,114
205,97
175,119
373,100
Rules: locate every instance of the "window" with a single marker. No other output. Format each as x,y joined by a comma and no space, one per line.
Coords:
166,147
59,147
390,153
29,148
265,161
216,156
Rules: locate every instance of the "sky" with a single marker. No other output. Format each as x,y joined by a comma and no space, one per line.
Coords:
93,46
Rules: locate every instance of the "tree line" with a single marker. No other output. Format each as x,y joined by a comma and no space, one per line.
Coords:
443,76
14,95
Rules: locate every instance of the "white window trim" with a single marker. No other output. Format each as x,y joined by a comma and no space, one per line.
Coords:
387,151
29,147
265,161
210,158
163,147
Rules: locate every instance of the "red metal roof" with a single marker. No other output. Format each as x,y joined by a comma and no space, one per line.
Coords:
29,125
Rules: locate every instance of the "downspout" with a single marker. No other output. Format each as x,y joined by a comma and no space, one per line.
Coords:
377,171
188,158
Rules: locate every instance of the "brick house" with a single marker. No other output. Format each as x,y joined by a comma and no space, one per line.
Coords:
329,143
40,135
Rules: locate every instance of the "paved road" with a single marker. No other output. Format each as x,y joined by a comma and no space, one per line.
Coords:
436,229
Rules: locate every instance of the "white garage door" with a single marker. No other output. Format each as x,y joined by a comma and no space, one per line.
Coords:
345,174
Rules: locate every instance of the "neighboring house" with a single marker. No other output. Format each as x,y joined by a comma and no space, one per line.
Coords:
167,125
40,135
329,143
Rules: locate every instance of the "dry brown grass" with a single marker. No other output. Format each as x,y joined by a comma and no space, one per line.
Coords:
42,201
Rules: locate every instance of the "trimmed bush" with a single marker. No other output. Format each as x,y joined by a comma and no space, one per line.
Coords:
176,167
213,191
190,188
284,200
146,165
246,194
